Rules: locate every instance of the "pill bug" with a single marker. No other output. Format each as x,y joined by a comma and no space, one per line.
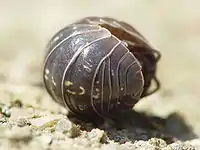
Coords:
99,65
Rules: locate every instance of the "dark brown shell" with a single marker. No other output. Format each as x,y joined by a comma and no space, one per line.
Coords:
98,66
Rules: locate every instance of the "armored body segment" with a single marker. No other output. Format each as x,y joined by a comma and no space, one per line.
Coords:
96,66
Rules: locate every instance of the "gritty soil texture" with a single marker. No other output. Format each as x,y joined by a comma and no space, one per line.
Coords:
30,123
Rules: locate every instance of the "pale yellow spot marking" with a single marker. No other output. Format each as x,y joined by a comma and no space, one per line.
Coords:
71,92
82,91
68,83
122,89
82,107
53,81
47,71
46,77
87,68
112,72
125,43
96,96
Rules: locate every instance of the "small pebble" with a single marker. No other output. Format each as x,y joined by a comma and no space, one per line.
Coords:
68,144
58,136
21,122
16,103
45,141
194,142
44,120
141,145
5,110
19,134
111,146
181,146
158,142
3,120
97,135
65,126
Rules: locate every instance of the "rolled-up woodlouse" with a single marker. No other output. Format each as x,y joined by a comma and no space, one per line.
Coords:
99,66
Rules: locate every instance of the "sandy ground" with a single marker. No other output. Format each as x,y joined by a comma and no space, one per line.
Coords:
173,27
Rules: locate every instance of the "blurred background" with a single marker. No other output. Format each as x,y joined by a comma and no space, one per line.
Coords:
172,27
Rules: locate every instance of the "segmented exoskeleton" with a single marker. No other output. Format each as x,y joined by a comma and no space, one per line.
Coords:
99,65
